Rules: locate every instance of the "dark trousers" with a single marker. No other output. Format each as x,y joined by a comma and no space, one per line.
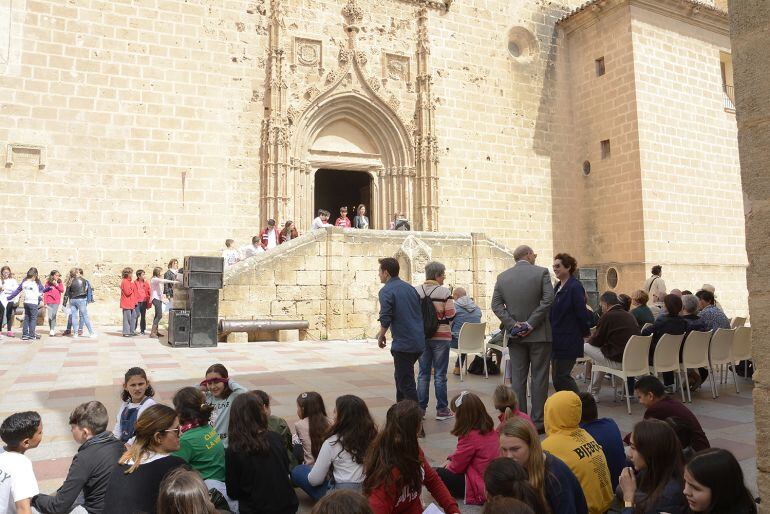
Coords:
455,482
30,320
403,364
6,315
158,312
140,316
561,375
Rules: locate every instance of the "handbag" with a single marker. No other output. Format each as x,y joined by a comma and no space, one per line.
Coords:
476,366
219,500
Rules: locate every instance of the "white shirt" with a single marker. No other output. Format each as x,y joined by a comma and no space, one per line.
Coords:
319,223
230,256
17,480
345,469
9,286
156,287
31,290
126,405
250,251
271,240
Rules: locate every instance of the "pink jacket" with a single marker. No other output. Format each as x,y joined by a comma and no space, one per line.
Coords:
473,454
517,414
52,293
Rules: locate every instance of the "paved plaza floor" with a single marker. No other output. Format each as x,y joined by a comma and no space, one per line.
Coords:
55,374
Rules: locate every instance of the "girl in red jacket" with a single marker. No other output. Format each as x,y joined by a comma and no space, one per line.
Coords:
127,302
142,288
477,446
52,298
396,468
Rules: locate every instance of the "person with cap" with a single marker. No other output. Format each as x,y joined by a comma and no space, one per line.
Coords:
270,237
713,290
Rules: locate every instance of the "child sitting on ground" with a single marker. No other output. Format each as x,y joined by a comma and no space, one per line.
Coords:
278,425
137,396
507,403
310,430
91,468
220,391
20,432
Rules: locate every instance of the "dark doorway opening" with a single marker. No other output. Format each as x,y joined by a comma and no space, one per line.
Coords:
335,188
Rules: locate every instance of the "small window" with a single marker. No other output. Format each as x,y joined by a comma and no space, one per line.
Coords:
586,168
606,149
612,278
514,49
599,66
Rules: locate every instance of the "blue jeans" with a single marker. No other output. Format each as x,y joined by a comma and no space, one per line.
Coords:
80,307
436,356
299,476
30,320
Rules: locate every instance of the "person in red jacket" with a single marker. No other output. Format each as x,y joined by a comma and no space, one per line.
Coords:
477,446
343,221
270,237
396,468
142,298
127,302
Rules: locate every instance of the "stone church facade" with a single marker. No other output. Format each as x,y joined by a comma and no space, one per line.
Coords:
136,131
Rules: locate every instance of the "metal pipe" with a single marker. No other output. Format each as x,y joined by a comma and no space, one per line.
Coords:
226,326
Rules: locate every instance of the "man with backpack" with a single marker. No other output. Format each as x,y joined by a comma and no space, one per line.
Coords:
401,314
438,311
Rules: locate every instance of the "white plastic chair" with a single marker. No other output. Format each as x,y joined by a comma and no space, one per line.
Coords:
696,355
636,358
471,342
741,350
720,352
737,322
503,349
646,326
666,357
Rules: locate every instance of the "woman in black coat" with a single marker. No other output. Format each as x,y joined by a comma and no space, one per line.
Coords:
570,321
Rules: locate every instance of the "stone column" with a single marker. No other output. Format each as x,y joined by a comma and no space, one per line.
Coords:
750,42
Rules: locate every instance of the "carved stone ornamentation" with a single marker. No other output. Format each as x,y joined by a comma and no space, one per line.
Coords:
394,103
361,58
415,253
308,52
353,13
311,92
396,67
344,57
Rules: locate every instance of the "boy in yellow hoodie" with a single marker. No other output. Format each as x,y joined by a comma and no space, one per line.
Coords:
567,441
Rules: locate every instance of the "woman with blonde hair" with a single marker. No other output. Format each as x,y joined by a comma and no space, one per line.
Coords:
135,481
548,475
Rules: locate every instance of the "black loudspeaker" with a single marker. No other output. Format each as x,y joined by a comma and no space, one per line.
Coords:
179,328
203,332
204,303
181,298
203,279
205,264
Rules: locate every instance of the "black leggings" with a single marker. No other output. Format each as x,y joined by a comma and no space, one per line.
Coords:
453,481
6,315
158,312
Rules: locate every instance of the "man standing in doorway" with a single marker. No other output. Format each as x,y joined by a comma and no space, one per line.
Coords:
400,312
343,221
270,238
522,298
655,287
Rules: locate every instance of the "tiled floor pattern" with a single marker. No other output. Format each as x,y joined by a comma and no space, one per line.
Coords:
54,374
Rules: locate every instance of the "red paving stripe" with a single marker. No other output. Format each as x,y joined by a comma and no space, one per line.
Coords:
27,379
53,350
52,468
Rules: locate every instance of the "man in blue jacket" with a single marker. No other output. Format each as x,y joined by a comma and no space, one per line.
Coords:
401,313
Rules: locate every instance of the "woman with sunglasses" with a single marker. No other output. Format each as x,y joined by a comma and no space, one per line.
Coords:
135,481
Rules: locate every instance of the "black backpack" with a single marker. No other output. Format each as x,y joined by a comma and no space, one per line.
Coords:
429,315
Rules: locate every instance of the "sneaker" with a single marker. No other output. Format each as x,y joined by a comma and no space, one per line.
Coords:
67,333
456,371
670,389
37,336
80,332
94,335
9,333
51,333
596,397
443,414
75,336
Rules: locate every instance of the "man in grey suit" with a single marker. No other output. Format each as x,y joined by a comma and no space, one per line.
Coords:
522,298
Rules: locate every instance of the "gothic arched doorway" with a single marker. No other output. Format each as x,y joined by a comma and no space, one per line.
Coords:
336,188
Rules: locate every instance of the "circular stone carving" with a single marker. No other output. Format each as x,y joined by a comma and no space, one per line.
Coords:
307,55
612,278
522,44
586,168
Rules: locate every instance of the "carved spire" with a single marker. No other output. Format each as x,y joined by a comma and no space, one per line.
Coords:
426,144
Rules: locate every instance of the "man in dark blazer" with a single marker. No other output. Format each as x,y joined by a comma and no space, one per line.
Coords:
522,298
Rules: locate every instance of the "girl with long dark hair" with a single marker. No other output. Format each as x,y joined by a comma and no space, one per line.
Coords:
396,468
311,428
137,396
656,486
342,452
506,477
33,293
477,446
135,481
713,484
52,292
256,465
